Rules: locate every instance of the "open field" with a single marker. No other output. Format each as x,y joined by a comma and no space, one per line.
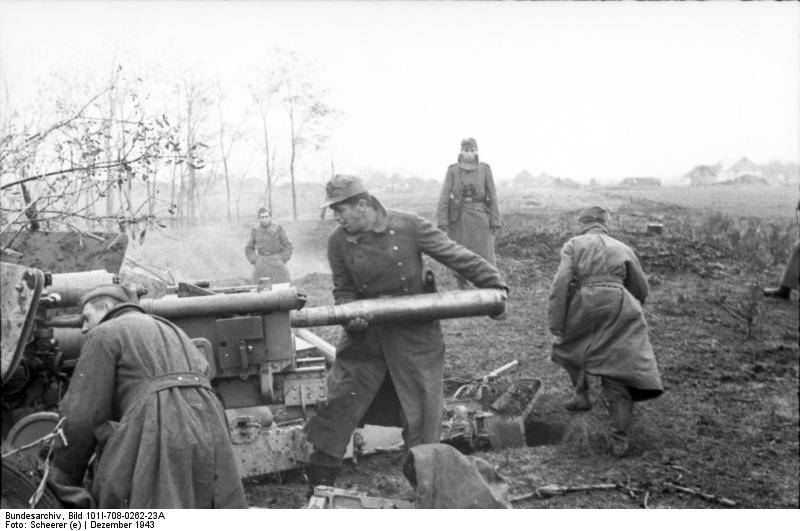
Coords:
727,424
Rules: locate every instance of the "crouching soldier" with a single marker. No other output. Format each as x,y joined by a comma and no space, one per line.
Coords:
140,397
596,318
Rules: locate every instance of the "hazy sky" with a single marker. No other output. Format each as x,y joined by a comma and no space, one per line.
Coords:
574,89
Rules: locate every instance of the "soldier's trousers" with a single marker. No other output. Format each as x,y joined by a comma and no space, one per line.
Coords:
619,401
620,407
792,271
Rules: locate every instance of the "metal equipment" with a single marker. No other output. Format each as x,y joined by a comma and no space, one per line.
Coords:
479,416
333,498
268,378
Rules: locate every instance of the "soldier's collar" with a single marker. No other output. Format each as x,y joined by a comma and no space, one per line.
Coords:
593,226
381,224
119,310
464,165
269,228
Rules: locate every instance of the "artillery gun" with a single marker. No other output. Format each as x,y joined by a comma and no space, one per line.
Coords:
268,370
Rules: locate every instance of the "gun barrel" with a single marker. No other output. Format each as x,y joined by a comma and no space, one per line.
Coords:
406,308
279,300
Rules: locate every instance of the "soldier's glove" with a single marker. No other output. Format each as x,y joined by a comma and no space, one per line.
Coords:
502,316
443,228
356,326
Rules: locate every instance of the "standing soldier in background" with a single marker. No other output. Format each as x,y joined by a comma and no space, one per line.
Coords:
268,249
386,374
468,209
140,396
789,280
596,318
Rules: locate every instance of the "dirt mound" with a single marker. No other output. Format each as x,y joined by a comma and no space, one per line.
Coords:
66,252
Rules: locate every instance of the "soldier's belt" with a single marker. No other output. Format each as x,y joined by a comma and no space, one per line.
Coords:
599,279
168,381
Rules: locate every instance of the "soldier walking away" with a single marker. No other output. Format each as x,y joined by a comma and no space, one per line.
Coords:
140,397
468,210
384,374
789,280
268,249
595,315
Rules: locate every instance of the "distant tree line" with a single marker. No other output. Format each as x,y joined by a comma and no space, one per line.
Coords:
96,152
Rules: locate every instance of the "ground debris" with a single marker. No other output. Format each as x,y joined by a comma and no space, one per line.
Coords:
548,491
708,497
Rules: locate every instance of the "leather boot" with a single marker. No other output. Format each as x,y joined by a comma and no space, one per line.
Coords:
781,292
580,402
321,475
619,443
620,412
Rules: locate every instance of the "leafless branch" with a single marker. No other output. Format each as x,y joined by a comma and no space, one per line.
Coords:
708,497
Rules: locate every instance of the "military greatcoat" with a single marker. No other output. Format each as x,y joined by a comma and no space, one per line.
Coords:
268,249
391,374
140,391
596,314
792,270
468,207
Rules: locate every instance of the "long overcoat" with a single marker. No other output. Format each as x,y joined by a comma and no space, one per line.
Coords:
391,374
791,273
468,207
595,313
140,391
268,249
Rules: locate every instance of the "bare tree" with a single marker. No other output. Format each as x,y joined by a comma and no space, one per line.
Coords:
61,161
264,93
226,143
194,105
308,113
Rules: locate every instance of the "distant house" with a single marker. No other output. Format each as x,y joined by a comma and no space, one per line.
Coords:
640,181
743,169
545,180
526,180
559,182
702,175
743,179
727,171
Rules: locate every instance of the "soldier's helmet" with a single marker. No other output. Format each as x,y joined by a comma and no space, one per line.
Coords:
469,143
342,187
113,291
593,214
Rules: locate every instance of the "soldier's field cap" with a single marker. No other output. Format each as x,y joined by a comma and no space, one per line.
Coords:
469,143
593,214
342,187
114,291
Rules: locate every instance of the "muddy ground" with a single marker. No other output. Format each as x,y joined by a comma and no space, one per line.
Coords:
727,424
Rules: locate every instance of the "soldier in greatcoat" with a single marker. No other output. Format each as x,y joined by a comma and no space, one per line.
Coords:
595,316
384,374
268,249
468,209
140,397
791,272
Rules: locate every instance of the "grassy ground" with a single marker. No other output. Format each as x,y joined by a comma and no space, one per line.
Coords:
727,424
